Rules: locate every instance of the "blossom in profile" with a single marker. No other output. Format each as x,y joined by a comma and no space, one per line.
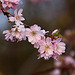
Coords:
59,47
46,48
16,33
56,30
8,35
34,33
18,17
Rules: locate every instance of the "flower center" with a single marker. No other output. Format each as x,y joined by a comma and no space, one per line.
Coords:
17,17
47,47
34,33
8,3
10,31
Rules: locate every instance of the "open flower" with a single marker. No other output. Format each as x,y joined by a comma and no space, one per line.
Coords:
8,35
46,48
18,17
34,33
59,47
16,33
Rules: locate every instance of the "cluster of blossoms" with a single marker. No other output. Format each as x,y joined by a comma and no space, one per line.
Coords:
7,4
51,48
47,45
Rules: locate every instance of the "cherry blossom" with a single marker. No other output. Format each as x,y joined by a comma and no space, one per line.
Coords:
7,4
8,35
59,47
46,48
34,33
18,17
17,33
56,72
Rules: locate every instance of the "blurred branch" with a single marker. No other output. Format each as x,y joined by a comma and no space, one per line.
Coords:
51,69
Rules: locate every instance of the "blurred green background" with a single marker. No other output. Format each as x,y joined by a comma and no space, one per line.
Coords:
21,58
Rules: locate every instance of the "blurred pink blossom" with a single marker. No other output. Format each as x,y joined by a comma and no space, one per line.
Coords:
7,4
69,60
56,72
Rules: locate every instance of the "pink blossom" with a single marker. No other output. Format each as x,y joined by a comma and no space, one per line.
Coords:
36,45
56,72
17,33
59,47
55,56
7,4
45,55
58,63
2,1
34,33
18,17
69,60
46,48
72,53
8,35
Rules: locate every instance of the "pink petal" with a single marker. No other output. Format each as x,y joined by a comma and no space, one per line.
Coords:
20,11
15,12
12,19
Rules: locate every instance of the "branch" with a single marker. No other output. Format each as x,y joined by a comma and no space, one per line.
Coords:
51,69
27,26
5,13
